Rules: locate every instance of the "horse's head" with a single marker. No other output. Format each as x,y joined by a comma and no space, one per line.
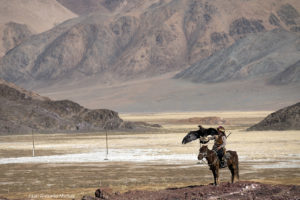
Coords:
202,152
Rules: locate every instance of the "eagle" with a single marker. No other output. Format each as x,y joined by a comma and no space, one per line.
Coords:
202,133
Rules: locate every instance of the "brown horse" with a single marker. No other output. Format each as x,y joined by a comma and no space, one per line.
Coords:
214,162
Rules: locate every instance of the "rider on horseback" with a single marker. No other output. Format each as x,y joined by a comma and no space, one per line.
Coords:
219,145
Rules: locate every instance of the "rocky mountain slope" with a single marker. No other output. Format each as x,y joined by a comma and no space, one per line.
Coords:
38,15
289,75
11,35
84,7
142,39
274,54
22,111
284,119
20,19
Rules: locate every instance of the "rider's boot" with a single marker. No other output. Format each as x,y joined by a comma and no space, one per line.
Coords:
223,162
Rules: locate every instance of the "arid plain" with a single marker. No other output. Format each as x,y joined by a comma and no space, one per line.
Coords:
73,165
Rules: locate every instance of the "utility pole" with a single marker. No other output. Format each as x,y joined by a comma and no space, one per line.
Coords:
32,143
30,116
106,144
107,127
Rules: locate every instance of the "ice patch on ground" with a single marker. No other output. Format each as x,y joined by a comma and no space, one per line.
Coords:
115,155
149,155
289,164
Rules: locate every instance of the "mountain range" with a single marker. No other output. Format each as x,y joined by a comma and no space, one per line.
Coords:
128,46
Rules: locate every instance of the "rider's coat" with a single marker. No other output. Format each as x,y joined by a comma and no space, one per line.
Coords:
220,141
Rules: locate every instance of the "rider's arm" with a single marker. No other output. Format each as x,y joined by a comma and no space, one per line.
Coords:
212,137
224,142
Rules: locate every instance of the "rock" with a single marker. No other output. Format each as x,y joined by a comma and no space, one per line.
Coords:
98,193
103,193
112,4
284,119
219,40
288,14
274,20
240,27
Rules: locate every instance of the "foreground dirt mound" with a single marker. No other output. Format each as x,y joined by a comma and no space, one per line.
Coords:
240,190
284,119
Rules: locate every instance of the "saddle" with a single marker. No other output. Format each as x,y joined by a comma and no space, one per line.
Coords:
227,155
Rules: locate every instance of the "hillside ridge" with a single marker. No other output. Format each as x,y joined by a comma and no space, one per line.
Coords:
23,111
287,118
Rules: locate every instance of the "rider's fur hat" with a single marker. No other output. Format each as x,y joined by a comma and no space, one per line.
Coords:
221,129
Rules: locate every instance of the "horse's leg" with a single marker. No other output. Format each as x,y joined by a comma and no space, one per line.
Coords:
236,174
236,167
231,168
215,176
217,172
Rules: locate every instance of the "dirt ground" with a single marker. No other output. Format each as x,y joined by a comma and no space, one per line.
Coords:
237,191
70,166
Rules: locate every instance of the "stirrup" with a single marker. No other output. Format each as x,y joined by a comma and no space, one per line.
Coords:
223,164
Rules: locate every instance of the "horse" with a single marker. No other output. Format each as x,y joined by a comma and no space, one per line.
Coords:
214,162
201,133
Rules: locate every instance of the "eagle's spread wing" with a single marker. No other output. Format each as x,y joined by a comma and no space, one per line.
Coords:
212,131
193,135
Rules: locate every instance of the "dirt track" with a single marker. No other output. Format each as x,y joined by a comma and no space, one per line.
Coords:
239,190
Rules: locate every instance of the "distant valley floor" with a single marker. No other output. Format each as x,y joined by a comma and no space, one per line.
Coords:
164,94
